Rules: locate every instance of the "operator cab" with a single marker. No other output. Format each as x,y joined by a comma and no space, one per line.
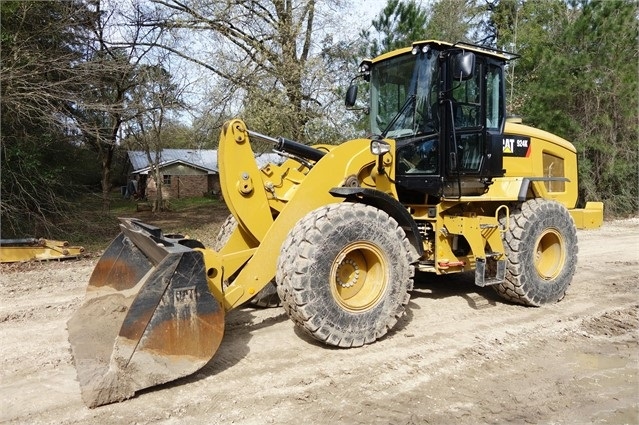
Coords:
444,106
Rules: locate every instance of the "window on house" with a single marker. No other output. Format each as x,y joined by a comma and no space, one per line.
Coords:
166,179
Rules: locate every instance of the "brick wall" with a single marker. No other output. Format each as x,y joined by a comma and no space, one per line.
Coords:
181,187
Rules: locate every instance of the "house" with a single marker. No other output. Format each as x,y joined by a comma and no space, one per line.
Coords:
185,172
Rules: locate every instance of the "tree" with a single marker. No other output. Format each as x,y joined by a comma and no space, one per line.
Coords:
603,101
65,86
456,20
578,78
40,43
401,23
264,54
152,103
397,25
110,68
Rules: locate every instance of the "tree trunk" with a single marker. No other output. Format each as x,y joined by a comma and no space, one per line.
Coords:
107,159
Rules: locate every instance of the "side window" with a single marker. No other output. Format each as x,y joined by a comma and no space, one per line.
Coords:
391,98
418,157
470,151
494,98
467,101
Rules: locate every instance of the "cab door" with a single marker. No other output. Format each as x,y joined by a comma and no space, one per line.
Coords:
473,120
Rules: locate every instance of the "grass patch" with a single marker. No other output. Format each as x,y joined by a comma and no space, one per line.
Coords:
186,203
93,227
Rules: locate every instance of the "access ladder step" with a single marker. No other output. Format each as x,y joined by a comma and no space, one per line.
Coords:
494,274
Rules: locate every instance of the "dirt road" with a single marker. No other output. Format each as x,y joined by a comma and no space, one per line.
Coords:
460,356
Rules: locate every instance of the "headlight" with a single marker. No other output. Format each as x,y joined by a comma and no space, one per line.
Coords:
417,48
365,67
379,147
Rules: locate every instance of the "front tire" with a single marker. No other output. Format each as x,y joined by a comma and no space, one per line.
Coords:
541,244
345,273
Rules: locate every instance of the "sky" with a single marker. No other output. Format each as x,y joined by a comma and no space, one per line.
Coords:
358,17
364,11
368,9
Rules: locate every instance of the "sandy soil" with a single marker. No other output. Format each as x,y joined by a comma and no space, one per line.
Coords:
460,356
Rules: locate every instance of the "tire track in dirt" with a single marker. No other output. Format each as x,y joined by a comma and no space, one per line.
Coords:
400,364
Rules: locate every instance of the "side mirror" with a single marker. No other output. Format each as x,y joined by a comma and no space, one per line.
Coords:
463,65
351,95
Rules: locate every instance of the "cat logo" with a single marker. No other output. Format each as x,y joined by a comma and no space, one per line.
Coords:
516,146
508,146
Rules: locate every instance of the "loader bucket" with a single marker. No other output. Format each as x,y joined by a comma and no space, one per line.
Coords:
148,316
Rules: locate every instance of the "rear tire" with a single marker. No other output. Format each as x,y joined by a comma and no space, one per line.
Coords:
345,273
541,245
267,297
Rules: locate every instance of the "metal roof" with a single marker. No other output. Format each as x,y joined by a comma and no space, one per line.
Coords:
204,159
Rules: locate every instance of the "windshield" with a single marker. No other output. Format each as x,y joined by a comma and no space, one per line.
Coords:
406,84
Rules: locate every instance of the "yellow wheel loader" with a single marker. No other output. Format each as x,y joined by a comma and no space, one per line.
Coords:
444,184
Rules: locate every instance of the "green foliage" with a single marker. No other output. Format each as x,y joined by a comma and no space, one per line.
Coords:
578,78
41,178
269,112
42,168
397,25
454,20
400,23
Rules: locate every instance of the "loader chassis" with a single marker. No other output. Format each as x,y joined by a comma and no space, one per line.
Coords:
445,184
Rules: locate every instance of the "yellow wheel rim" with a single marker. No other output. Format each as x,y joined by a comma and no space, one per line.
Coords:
359,276
550,254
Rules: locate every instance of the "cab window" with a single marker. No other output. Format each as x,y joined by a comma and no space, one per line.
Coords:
494,98
467,101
